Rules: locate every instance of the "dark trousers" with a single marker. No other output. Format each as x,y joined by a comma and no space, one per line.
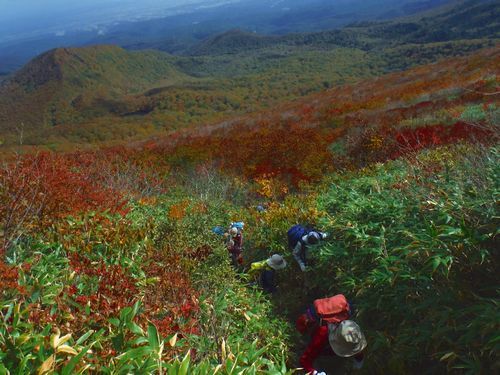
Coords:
267,281
236,258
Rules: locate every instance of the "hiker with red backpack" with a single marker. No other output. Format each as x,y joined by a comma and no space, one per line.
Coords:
328,320
299,239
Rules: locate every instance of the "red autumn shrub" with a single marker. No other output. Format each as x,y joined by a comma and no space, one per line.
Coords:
9,281
39,189
115,289
415,139
172,301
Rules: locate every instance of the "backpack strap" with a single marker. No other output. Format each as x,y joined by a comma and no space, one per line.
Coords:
311,314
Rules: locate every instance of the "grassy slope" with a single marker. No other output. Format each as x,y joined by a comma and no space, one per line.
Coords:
413,246
412,242
142,260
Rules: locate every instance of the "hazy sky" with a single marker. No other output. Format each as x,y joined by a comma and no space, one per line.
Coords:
22,18
34,8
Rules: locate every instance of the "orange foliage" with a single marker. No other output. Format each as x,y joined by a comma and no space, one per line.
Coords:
178,211
9,280
270,187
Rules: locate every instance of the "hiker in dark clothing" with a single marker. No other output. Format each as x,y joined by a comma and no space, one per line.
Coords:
299,239
328,320
267,269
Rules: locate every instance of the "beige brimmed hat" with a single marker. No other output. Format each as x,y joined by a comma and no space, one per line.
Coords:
346,339
276,262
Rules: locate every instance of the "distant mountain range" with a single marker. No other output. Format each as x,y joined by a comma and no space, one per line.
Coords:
469,20
105,93
190,25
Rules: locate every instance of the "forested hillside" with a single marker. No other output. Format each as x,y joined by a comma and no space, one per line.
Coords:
105,94
468,21
70,85
370,121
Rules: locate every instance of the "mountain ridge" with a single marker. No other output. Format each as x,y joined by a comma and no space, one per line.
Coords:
467,20
91,90
176,34
59,84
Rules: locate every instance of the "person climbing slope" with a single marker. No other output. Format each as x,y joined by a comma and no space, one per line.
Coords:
329,321
235,243
299,239
267,269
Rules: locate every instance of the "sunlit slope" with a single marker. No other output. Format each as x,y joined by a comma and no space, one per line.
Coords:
373,120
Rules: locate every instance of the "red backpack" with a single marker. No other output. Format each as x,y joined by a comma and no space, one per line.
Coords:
332,310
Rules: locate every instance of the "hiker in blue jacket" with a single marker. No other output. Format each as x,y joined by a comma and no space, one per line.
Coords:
299,239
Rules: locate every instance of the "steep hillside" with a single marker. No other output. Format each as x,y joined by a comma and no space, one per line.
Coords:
110,260
64,85
109,263
373,120
413,246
